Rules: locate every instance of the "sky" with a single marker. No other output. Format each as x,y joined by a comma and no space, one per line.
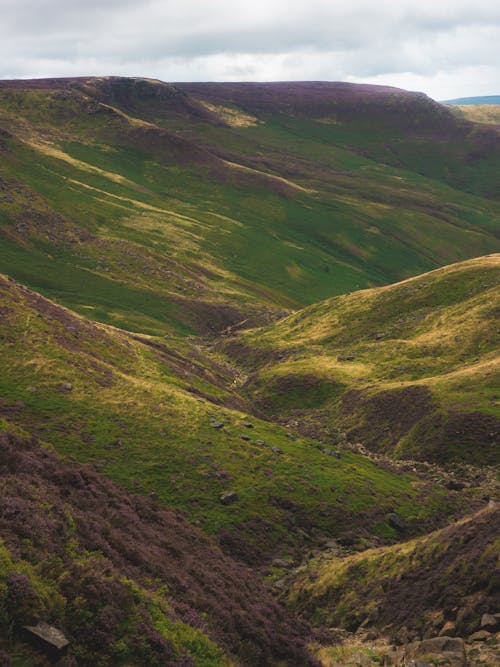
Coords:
445,48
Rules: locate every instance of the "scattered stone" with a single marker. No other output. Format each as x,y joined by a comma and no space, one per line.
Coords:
331,452
397,522
66,387
245,437
450,649
448,629
32,390
280,562
47,637
260,443
480,636
379,336
361,660
276,450
346,357
215,424
490,622
228,498
247,425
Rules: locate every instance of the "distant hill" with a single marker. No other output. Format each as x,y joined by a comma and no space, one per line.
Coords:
482,99
161,207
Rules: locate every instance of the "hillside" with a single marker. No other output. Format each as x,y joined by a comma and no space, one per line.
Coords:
445,581
480,113
480,100
160,417
129,582
411,369
190,207
248,349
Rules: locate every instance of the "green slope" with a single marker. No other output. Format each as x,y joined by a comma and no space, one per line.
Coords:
411,369
153,208
443,582
163,418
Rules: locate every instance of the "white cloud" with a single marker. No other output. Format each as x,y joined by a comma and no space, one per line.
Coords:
446,48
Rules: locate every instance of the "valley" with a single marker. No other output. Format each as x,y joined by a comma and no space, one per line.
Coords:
249,373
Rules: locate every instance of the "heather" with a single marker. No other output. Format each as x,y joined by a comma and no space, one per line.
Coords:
128,581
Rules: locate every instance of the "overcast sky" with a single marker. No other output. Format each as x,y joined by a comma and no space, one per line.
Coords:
446,48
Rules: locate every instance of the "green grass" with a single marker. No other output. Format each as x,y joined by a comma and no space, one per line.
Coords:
141,417
143,224
435,334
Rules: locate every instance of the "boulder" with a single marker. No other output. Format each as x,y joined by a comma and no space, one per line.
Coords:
47,637
480,636
449,649
216,424
228,498
397,522
490,622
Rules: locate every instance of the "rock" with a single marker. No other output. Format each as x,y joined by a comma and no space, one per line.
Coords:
276,450
393,657
379,336
261,443
490,622
247,425
32,390
245,437
228,498
397,522
215,424
280,562
480,636
346,357
331,452
66,387
450,649
47,637
361,660
447,629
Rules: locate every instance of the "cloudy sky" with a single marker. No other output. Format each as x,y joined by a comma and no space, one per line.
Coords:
446,48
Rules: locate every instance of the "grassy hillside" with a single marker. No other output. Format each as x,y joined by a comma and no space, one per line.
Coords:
411,369
128,582
161,418
481,113
445,581
188,208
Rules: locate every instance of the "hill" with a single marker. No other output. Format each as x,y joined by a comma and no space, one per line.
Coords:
410,369
161,418
480,113
126,580
481,99
190,207
443,582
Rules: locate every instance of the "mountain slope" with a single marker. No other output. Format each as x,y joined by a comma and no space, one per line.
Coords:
161,417
127,581
411,369
191,207
446,580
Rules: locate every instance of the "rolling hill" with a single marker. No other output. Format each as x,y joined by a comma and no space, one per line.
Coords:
446,580
239,324
190,207
411,369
